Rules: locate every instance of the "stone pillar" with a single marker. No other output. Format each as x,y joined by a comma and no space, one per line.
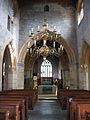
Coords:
12,80
73,76
20,75
0,76
15,83
0,69
84,82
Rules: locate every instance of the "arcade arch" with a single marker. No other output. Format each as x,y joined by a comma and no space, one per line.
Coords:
85,65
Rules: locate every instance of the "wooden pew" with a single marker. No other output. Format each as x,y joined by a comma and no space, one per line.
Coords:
87,115
75,98
13,108
81,111
4,114
73,107
23,106
31,94
30,97
19,101
63,94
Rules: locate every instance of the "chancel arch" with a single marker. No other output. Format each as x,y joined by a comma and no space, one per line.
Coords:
70,56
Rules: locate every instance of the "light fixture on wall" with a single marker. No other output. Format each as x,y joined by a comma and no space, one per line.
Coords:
84,67
45,42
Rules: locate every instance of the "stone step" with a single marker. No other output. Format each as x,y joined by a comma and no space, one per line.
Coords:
47,96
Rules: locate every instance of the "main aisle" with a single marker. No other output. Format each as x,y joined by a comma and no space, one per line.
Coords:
47,110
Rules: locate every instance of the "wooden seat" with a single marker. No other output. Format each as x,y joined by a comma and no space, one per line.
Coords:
31,94
23,103
4,114
64,94
87,115
13,108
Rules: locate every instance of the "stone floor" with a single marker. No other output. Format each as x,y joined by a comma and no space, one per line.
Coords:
47,110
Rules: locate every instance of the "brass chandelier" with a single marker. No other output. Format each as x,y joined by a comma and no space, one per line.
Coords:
45,43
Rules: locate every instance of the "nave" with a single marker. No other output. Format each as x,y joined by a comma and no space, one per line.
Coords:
47,109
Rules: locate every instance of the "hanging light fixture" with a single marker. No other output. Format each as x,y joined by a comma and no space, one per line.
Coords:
45,42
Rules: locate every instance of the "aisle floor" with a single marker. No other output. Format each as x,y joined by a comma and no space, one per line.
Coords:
47,110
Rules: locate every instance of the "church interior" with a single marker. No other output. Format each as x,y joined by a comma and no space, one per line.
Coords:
45,59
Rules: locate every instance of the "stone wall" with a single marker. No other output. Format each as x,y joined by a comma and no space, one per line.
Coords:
32,15
6,9
64,18
84,27
83,35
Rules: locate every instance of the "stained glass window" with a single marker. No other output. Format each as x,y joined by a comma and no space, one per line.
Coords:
46,69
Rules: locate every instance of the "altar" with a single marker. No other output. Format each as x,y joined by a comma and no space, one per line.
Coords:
47,89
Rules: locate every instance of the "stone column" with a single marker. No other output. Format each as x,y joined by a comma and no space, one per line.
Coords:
84,82
20,75
1,68
0,75
73,76
12,80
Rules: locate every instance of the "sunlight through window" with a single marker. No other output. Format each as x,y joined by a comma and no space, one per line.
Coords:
46,69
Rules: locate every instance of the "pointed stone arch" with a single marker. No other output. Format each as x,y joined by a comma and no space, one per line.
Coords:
70,53
85,65
9,62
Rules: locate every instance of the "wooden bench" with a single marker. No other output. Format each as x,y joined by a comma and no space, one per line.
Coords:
23,106
13,108
81,111
19,101
73,107
31,94
25,99
87,115
4,114
75,98
63,94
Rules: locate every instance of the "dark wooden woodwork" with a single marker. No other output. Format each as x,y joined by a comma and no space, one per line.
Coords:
24,102
64,94
21,105
4,114
13,108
